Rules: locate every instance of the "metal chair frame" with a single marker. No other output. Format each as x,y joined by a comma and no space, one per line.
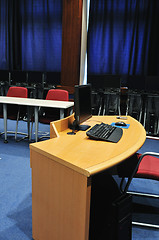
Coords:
124,190
27,135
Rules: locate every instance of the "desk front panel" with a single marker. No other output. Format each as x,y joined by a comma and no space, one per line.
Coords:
60,201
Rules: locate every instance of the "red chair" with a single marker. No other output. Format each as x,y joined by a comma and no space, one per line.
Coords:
57,94
144,166
17,92
17,112
47,115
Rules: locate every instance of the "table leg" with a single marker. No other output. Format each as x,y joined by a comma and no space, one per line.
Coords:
5,121
71,111
28,123
36,122
61,113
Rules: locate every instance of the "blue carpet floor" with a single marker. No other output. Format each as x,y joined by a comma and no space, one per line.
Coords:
16,193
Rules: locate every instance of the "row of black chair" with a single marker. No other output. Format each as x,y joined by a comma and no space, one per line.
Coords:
139,83
37,82
138,99
143,107
106,103
98,82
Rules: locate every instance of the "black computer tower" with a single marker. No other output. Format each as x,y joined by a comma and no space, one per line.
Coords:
111,212
122,218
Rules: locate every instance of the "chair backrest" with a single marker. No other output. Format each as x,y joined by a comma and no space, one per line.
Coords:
151,114
35,77
17,92
134,106
57,94
152,84
18,78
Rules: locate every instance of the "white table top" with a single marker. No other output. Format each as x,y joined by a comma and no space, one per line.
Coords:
36,102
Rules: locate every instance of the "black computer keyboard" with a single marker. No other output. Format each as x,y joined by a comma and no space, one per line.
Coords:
105,132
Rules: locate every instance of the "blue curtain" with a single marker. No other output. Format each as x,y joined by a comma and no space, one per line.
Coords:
41,34
4,38
31,34
119,37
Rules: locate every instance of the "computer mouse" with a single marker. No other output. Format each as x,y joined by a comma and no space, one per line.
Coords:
122,124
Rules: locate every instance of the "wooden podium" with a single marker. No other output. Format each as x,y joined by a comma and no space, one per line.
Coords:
62,168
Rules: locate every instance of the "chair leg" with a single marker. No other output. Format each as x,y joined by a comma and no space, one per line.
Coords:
145,225
31,130
48,137
143,194
16,130
100,106
142,224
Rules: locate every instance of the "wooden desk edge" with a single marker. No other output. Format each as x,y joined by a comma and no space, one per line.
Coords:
55,128
101,167
82,171
61,125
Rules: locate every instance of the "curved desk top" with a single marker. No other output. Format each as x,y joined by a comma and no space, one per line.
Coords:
87,156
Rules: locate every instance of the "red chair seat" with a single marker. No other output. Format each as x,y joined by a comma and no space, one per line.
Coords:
148,168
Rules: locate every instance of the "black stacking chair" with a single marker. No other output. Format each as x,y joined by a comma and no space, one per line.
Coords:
151,114
4,82
134,106
36,84
18,78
